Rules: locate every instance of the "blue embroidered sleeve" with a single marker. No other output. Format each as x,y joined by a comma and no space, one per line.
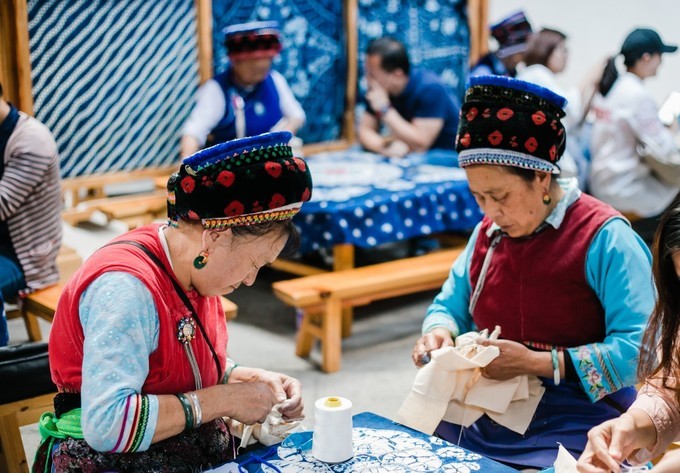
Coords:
618,267
449,309
120,324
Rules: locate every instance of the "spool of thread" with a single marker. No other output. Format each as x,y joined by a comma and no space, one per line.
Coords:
332,438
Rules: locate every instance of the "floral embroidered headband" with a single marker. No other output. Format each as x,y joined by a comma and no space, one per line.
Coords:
510,122
241,182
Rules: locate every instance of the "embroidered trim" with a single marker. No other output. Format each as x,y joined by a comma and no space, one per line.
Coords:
502,157
590,375
140,429
282,213
544,346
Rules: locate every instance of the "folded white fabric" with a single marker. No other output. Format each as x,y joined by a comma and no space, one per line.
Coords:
450,387
564,463
273,430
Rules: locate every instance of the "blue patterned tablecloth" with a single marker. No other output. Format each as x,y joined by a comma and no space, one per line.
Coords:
367,200
379,445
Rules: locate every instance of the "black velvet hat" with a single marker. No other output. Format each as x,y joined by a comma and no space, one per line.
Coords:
241,182
510,122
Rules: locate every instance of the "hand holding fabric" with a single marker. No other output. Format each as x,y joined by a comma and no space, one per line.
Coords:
287,392
433,340
514,360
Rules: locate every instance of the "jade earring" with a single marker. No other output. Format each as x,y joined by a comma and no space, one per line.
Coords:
201,260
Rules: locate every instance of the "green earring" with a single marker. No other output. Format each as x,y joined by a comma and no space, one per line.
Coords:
201,260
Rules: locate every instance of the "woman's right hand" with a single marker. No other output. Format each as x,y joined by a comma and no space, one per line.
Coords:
432,340
251,402
610,443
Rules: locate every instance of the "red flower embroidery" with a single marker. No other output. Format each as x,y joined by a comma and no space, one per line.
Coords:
538,118
188,184
234,209
300,164
513,142
553,124
274,169
257,207
193,215
495,138
531,144
226,178
553,152
306,195
277,201
471,114
465,140
504,113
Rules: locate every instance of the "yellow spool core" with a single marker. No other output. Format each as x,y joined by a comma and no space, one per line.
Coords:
332,402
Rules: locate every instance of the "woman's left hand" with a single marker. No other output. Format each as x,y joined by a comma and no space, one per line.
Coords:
514,360
288,392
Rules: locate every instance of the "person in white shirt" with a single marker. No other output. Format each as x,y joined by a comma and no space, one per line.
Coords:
545,58
627,116
249,98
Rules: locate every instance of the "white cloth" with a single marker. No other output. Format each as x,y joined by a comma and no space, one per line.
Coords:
564,463
450,387
273,430
626,117
211,106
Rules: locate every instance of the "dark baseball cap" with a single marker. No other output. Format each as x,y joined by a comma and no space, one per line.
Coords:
645,40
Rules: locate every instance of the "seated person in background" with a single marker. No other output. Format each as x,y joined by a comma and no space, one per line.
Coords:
138,348
416,107
30,203
653,421
545,58
249,98
563,275
626,116
512,35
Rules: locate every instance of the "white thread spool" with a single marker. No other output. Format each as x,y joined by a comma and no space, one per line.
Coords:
332,438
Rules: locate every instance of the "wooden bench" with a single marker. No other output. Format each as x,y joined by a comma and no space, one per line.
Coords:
12,416
322,297
135,210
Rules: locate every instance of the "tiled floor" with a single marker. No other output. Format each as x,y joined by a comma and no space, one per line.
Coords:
376,372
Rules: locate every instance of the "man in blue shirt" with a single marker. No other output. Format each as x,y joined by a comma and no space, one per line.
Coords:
415,106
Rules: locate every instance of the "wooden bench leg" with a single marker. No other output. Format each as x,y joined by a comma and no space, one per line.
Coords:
32,326
331,337
12,456
343,258
305,335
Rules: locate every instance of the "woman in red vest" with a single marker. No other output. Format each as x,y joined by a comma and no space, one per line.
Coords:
561,273
138,344
653,421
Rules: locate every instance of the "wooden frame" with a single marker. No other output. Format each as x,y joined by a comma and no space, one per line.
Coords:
15,59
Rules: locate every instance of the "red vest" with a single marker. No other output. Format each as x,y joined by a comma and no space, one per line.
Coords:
169,368
536,288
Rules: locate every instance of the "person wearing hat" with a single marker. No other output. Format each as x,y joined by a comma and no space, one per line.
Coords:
138,347
414,105
563,275
30,206
512,35
626,123
249,98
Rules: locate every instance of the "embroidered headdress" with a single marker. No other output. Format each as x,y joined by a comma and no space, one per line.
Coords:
512,34
241,182
510,122
256,39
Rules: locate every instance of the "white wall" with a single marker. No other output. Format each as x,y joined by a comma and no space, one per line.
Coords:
596,29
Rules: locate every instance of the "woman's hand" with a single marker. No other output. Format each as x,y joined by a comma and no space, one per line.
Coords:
437,338
250,402
286,390
514,360
615,440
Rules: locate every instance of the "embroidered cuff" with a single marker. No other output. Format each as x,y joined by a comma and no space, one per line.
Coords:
595,375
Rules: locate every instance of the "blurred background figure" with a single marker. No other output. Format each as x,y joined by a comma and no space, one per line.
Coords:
626,119
414,105
512,35
545,59
249,98
30,206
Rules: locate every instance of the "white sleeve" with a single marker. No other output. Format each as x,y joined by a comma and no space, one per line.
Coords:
290,107
648,128
209,109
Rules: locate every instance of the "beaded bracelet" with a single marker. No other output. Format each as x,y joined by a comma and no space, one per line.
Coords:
556,366
188,412
198,412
